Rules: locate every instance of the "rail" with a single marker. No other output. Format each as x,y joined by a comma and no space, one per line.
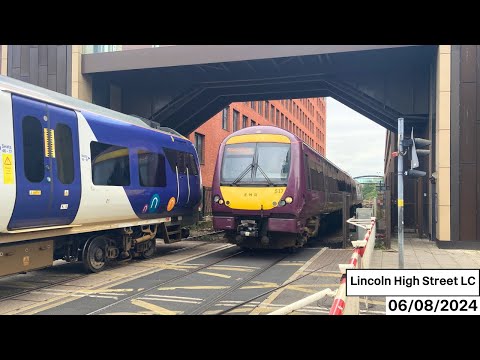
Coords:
360,259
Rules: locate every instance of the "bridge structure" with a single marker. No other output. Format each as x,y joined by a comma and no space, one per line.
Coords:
433,87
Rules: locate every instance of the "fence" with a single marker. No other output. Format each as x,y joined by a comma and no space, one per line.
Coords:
206,202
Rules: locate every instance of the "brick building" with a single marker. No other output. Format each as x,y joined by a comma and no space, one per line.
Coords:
305,118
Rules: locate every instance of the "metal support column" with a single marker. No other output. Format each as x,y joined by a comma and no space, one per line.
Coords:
400,193
388,218
345,217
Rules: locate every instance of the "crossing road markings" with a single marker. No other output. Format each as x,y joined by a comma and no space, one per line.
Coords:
195,287
295,275
157,310
214,274
260,285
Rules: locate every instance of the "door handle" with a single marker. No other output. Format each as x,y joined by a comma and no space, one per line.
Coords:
49,179
47,167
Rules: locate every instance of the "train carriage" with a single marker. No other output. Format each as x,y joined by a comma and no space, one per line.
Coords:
81,182
271,190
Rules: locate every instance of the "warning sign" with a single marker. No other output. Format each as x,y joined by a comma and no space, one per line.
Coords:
7,163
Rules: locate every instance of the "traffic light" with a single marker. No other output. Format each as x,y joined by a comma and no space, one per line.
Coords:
412,144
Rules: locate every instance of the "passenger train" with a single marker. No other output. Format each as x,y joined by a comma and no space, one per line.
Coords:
271,190
83,183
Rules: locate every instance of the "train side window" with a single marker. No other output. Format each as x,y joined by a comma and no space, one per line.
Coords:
151,169
192,165
307,173
33,151
64,153
182,160
110,164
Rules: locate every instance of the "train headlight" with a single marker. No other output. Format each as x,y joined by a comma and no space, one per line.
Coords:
288,199
282,203
220,202
216,198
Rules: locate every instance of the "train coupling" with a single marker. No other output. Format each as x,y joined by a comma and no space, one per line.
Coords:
248,228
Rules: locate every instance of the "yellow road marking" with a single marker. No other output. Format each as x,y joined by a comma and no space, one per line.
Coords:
215,274
120,279
291,264
228,268
260,285
318,274
295,275
157,310
194,287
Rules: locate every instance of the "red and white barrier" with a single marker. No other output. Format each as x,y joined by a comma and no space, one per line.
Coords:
359,259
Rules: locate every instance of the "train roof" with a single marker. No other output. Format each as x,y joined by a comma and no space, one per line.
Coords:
15,86
279,131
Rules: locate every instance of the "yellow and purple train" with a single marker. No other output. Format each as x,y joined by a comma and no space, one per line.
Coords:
271,190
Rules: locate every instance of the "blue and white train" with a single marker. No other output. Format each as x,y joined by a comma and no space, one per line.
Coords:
80,182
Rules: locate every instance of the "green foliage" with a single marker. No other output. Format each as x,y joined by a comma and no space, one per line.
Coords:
369,191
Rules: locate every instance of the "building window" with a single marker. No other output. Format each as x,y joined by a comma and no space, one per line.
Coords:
252,104
272,113
236,116
282,122
151,169
64,153
110,164
266,109
244,121
33,155
200,146
277,119
253,123
225,118
260,108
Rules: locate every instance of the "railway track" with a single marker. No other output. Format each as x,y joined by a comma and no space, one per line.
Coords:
51,281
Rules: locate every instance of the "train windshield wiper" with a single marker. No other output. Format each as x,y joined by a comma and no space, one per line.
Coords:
242,175
270,182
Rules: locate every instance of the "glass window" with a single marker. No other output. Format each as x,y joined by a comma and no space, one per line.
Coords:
200,146
244,121
33,152
272,113
64,153
260,108
151,169
236,116
272,160
181,160
266,109
253,123
252,104
225,112
110,164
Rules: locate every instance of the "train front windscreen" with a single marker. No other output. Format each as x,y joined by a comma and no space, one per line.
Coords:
259,164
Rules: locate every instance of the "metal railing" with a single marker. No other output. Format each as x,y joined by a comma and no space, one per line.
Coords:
206,201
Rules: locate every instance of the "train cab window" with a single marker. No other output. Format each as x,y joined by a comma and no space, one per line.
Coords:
151,169
33,151
64,153
110,164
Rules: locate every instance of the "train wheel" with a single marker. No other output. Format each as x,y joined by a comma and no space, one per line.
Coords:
150,249
94,254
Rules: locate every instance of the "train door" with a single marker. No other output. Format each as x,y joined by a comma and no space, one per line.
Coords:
47,165
177,163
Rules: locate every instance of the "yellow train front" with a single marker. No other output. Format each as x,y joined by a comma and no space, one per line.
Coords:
271,190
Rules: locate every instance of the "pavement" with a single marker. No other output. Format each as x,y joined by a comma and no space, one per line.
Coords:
425,254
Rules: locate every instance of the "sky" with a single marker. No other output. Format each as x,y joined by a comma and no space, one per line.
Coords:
354,143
